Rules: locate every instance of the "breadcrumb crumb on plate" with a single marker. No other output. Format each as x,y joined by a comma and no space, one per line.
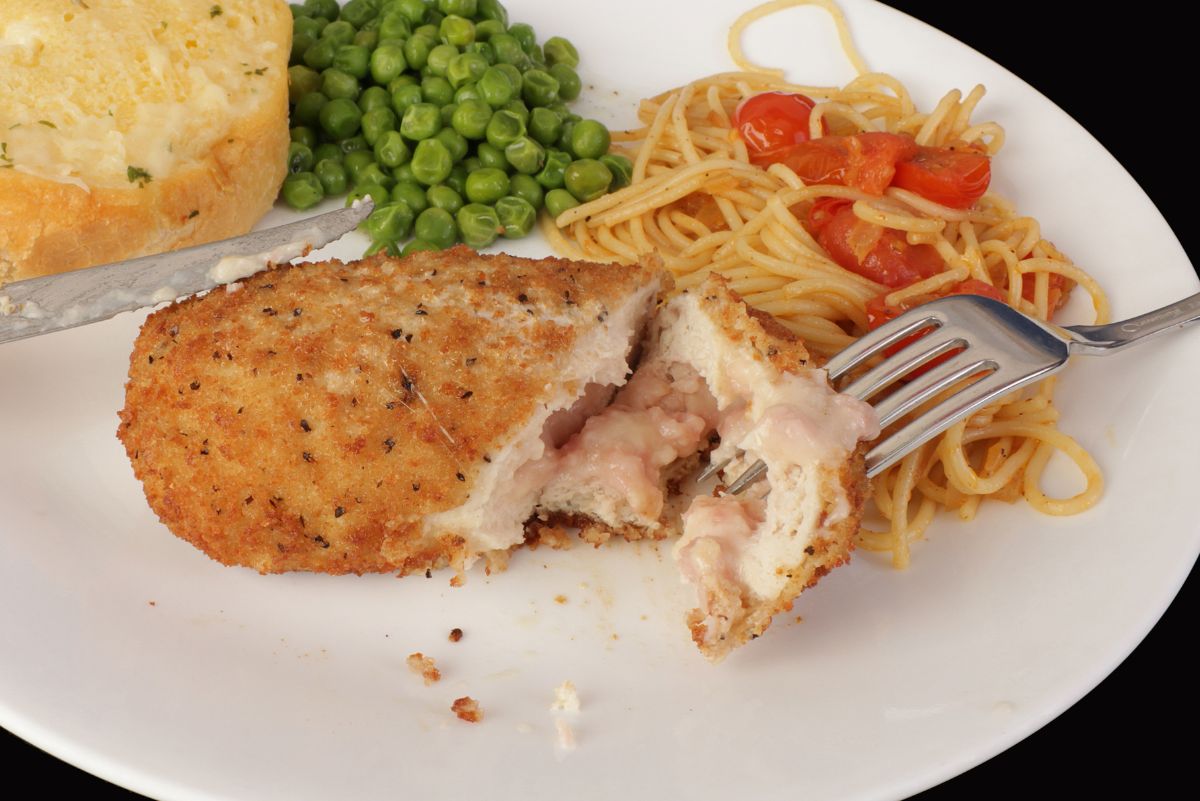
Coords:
467,708
425,667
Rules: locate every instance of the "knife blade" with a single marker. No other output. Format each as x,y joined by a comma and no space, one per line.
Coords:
38,306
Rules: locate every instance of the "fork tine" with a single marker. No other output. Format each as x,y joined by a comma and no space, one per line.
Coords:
922,351
712,469
747,478
904,326
920,389
934,421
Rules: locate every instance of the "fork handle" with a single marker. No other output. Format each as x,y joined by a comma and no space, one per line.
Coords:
1100,339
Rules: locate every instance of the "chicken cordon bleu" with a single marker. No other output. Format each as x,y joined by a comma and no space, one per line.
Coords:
409,414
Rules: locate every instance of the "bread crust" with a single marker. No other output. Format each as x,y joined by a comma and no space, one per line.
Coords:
49,227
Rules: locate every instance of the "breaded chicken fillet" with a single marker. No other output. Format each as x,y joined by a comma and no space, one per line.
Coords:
382,415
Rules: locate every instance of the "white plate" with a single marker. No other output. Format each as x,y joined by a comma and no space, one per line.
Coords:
235,685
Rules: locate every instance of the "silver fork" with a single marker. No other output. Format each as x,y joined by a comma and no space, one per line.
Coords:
979,338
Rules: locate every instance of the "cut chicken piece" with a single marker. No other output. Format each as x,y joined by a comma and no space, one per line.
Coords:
713,366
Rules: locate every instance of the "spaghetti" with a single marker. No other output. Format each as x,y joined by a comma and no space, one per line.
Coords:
698,202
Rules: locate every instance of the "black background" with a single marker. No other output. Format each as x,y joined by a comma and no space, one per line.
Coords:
1128,78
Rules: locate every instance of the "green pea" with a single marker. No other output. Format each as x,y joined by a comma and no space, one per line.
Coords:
569,85
374,97
465,8
491,156
536,57
455,143
589,139
327,9
448,113
492,10
558,201
516,216
303,135
544,126
456,30
388,248
564,141
417,245
487,28
457,179
299,157
302,190
421,121
620,167
352,60
525,155
302,81
483,50
399,81
357,12
495,87
320,54
472,163
377,122
526,188
503,128
468,91
478,225
487,185
340,118
552,174
412,10
540,88
515,76
339,32
376,192
429,31
508,50
308,26
431,162
587,179
465,68
437,226
332,176
353,143
300,44
437,90
560,51
356,162
335,84
471,118
373,174
412,194
517,106
394,25
389,222
443,197
386,63
523,33
406,96
327,150
417,50
391,150
404,173
372,25
439,59
367,39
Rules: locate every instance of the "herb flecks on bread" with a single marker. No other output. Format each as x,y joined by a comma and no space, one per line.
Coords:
136,126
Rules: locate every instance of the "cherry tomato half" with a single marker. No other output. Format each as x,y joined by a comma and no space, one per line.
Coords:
771,122
954,178
872,251
865,161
